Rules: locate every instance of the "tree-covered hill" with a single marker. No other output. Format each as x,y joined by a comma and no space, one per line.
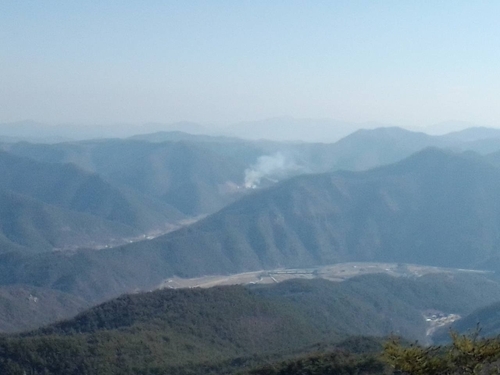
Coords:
27,307
192,179
486,318
46,206
435,208
192,330
28,226
198,174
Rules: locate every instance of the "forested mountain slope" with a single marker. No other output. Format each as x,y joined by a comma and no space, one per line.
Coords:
200,174
486,319
47,206
222,327
27,307
30,226
435,208
72,188
194,180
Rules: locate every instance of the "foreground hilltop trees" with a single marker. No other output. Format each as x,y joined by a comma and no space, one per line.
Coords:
297,327
467,354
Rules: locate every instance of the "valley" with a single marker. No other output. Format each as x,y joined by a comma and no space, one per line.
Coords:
249,188
190,252
115,242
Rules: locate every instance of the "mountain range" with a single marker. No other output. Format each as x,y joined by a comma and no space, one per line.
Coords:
435,207
82,222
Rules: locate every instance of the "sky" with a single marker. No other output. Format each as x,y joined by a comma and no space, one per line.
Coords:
407,63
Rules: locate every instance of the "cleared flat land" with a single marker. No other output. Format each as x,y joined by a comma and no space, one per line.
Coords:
336,272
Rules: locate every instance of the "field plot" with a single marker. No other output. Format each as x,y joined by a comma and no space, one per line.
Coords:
337,272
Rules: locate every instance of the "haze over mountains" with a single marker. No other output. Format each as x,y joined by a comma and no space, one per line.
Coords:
275,129
85,221
144,186
253,188
435,207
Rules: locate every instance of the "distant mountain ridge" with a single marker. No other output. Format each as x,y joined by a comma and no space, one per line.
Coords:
200,169
38,132
346,216
188,178
435,207
398,213
295,129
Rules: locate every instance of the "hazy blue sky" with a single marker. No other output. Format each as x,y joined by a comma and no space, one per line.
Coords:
400,62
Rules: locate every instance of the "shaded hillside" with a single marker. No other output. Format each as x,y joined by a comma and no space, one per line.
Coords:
191,179
194,180
486,318
69,187
30,226
362,149
479,139
165,330
365,149
47,206
199,174
483,146
27,307
494,158
435,208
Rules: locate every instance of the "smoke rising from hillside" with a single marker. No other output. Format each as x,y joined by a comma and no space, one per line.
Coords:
268,166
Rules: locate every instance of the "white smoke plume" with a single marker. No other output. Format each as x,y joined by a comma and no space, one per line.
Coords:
268,166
